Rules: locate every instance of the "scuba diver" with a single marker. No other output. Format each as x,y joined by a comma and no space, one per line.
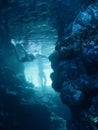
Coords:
28,54
41,74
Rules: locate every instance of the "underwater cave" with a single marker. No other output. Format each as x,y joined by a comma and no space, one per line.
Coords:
49,65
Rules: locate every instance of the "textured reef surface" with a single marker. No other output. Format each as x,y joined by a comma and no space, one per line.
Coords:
75,65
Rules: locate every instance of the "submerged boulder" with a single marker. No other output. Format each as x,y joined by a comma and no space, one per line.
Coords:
76,70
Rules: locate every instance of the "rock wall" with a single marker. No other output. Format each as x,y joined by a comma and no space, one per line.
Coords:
75,65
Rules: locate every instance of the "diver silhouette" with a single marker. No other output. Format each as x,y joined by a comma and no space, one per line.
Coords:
41,73
26,54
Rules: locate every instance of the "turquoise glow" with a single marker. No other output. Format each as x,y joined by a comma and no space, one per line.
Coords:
31,72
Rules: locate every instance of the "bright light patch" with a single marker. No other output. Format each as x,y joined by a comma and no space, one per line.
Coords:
32,73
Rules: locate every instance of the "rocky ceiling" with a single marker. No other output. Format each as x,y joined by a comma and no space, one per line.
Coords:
38,19
43,21
27,19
